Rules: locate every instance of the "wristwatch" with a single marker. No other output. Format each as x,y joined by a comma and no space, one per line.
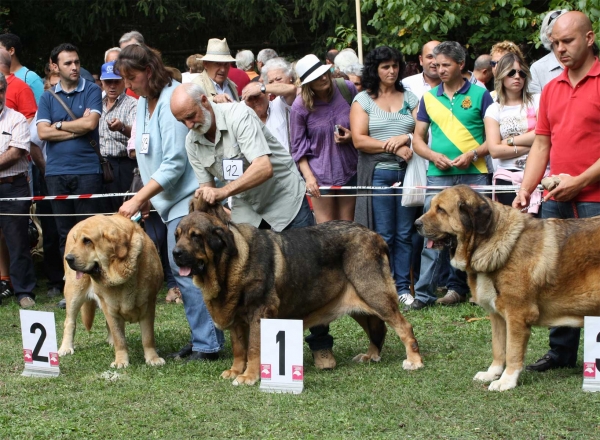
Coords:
263,88
58,125
475,156
511,141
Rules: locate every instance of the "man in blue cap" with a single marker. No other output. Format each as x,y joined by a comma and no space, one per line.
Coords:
118,114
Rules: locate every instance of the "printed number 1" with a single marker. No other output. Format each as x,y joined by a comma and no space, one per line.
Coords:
40,343
280,339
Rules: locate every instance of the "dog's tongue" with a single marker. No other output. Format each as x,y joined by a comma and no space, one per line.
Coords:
78,275
430,243
185,271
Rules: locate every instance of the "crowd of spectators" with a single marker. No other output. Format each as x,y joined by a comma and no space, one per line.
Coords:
293,129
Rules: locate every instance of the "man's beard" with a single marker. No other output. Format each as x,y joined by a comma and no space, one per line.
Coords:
202,128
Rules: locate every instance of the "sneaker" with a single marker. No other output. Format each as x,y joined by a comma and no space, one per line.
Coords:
62,304
451,298
417,304
6,291
406,299
174,296
26,302
53,291
324,359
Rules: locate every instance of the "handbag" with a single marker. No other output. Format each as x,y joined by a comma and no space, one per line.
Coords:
107,169
416,175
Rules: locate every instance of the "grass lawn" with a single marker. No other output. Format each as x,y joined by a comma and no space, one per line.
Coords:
377,400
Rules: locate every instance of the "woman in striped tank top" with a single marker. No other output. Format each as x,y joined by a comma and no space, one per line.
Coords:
383,118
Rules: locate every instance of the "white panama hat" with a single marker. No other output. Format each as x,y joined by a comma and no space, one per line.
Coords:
310,68
218,51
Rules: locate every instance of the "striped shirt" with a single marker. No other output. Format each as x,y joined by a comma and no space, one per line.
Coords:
383,125
14,133
456,125
114,143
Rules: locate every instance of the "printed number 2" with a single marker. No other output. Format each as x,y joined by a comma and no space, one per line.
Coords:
40,343
232,170
280,339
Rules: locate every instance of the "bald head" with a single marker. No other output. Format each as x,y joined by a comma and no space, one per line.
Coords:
428,47
191,107
427,60
575,20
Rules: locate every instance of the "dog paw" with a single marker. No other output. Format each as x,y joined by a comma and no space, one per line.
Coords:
66,351
156,361
486,376
230,374
408,365
499,385
120,364
244,380
366,358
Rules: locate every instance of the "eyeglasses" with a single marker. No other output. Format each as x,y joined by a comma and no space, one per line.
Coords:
493,63
554,16
513,72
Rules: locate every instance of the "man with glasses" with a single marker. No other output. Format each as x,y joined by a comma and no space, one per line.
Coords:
547,68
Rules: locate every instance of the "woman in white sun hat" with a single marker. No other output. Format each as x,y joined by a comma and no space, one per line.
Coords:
321,142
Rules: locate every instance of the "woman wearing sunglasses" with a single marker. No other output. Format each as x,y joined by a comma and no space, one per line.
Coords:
510,122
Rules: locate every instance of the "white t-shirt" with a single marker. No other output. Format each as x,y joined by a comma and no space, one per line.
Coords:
187,77
278,121
514,120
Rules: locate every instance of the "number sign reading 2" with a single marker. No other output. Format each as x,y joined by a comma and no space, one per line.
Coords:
281,351
38,330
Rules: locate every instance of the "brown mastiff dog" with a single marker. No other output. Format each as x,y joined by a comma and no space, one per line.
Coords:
522,270
111,260
316,274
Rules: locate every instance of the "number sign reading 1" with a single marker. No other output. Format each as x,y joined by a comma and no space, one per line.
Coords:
38,330
591,353
281,356
232,168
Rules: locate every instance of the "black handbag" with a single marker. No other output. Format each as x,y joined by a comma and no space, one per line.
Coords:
107,169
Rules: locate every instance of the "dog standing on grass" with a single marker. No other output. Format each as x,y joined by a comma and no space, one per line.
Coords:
316,274
111,260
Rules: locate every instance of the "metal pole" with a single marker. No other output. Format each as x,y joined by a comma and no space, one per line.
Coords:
359,32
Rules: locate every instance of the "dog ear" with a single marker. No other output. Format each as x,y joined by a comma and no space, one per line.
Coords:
119,241
225,238
478,216
201,205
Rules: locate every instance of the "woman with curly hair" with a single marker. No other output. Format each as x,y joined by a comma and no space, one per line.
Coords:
383,118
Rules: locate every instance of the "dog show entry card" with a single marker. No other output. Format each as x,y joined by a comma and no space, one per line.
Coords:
281,355
40,354
591,353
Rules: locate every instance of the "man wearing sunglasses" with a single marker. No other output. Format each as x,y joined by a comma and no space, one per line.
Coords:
567,135
547,68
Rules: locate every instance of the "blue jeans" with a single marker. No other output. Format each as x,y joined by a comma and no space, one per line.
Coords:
431,259
395,223
70,184
564,341
206,337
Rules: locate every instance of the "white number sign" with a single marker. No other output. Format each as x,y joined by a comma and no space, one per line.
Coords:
281,351
591,353
40,354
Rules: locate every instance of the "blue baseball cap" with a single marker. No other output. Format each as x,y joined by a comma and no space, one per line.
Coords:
107,71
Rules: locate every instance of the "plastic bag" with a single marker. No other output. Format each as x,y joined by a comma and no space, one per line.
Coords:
416,175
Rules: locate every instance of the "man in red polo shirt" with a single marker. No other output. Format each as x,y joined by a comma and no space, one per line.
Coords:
567,135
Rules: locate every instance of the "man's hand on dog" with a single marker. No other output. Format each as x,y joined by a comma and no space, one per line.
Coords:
211,194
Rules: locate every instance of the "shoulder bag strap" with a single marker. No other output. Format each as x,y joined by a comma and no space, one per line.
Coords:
92,142
344,90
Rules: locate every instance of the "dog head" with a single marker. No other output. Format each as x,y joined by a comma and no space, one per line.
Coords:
203,247
457,219
105,248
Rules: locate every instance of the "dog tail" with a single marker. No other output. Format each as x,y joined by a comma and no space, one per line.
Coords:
88,311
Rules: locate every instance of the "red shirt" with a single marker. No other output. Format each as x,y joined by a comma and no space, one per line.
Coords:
130,92
571,117
19,97
239,77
